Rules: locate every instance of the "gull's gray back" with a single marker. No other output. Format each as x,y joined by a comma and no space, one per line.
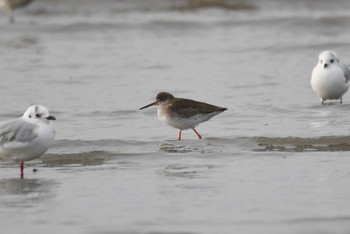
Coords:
17,131
346,71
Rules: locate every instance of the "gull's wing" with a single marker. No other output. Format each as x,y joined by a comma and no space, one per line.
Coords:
346,71
17,130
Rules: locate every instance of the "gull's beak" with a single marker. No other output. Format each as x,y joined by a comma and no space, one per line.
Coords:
325,65
152,104
51,117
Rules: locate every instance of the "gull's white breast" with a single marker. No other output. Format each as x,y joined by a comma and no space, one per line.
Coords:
329,83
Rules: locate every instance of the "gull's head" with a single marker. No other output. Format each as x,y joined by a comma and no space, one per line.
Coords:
39,113
327,58
161,98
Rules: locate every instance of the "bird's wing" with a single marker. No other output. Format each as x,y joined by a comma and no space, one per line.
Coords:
188,108
17,131
346,71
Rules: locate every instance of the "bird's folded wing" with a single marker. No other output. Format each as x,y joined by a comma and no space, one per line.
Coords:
346,71
189,108
17,131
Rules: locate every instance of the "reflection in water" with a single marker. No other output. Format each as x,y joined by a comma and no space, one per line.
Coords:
186,170
202,146
18,192
172,148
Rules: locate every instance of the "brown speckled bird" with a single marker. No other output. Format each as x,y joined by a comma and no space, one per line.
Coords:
183,113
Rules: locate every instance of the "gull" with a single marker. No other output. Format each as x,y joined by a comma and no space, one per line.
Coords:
330,78
28,137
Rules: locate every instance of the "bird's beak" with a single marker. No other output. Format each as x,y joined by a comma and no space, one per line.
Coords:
152,104
325,65
51,117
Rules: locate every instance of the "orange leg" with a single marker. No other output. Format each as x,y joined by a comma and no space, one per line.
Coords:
199,135
179,136
22,168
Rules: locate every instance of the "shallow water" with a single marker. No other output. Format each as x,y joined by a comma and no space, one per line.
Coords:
275,162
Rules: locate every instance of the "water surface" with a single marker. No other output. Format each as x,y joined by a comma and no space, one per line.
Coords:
275,162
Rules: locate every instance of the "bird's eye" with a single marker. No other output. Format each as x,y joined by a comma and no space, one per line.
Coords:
321,61
332,60
37,115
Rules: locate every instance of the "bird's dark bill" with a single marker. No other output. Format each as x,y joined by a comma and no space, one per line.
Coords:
51,117
152,104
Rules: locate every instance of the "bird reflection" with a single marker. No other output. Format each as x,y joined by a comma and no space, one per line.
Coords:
18,192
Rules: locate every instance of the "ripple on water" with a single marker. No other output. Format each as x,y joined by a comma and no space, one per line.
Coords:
186,170
298,144
84,158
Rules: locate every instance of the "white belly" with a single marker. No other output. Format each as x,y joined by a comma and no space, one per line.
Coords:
329,83
184,123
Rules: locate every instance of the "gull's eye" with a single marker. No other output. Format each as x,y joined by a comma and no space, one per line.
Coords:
332,60
321,61
37,115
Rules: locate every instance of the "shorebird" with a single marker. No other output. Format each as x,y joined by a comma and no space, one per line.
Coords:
11,5
27,137
183,113
330,78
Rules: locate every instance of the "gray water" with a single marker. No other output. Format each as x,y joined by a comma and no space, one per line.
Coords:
276,162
